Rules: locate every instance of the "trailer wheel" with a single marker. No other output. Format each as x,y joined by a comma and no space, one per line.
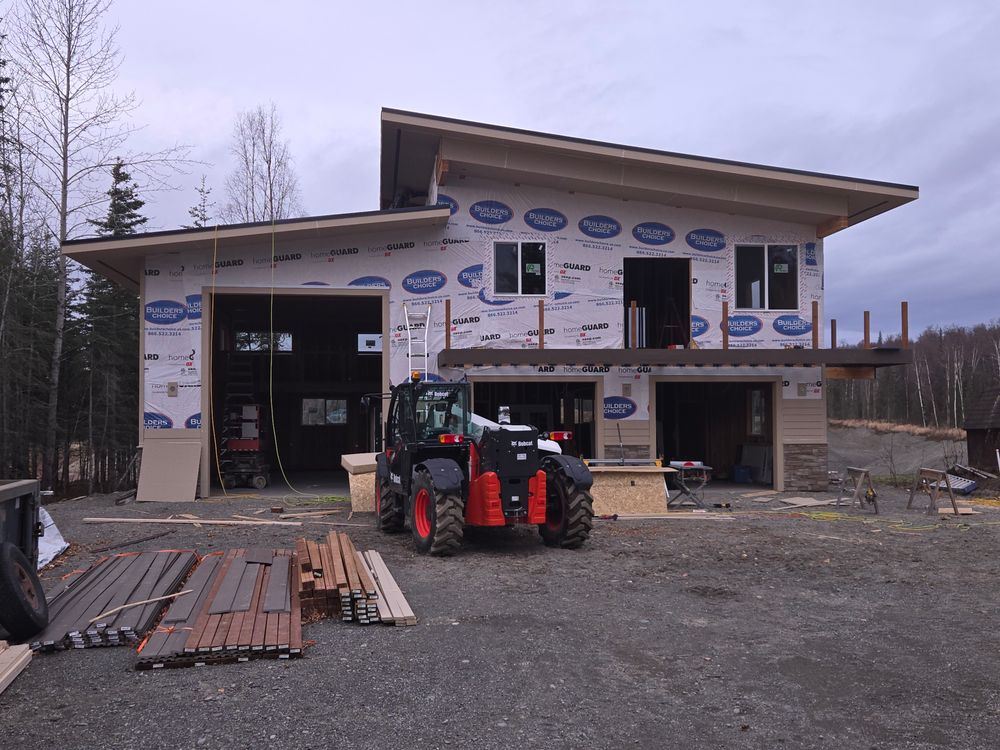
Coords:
569,512
23,608
388,517
436,518
259,482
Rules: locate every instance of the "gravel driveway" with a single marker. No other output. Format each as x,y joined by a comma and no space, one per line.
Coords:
769,630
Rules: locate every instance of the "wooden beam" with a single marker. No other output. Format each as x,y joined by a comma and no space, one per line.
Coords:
725,324
194,521
633,336
441,171
541,324
833,333
849,373
868,330
447,323
815,324
904,314
828,227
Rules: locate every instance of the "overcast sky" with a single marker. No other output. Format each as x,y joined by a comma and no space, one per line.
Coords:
897,91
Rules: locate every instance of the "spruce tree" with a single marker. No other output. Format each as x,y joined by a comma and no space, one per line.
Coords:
199,212
110,316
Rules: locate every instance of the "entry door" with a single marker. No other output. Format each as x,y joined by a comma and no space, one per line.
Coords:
660,289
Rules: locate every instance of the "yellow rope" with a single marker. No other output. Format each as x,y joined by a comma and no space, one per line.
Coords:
211,366
270,374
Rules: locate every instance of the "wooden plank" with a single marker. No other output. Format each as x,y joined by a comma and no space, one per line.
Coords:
181,610
130,619
367,580
390,588
259,555
353,579
223,600
271,631
123,589
295,624
250,616
97,603
201,623
244,592
260,619
176,572
13,661
302,555
197,521
276,596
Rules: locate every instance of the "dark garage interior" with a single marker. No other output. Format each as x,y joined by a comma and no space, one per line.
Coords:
548,405
319,378
725,425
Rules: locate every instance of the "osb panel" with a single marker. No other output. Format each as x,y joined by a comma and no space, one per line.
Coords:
362,492
623,492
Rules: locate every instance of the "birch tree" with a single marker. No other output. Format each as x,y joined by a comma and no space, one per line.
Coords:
263,185
76,125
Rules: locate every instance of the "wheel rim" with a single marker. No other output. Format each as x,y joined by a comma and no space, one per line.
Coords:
422,512
30,592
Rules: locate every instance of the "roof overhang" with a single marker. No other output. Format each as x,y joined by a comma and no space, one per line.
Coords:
842,358
416,146
121,260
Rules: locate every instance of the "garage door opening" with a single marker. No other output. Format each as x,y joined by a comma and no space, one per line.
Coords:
729,426
319,375
548,405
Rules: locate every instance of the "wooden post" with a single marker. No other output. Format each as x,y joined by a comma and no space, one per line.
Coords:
725,324
447,323
904,311
815,324
633,334
541,324
868,329
833,333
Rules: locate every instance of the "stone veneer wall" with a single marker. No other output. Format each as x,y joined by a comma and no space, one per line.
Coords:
805,467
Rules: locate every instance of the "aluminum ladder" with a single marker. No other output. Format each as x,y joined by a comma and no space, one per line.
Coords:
416,340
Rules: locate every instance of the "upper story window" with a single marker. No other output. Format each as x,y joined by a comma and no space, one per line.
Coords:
767,277
519,268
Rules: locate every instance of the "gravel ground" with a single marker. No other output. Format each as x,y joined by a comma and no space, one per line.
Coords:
769,630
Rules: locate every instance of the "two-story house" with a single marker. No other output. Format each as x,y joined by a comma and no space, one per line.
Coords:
657,304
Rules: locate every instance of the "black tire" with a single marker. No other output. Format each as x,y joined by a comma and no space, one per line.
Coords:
389,517
569,512
437,521
23,608
259,482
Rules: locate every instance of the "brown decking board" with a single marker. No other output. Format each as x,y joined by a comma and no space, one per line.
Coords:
130,619
198,629
223,601
259,555
244,592
276,597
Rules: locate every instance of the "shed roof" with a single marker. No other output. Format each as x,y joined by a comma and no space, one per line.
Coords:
415,146
984,412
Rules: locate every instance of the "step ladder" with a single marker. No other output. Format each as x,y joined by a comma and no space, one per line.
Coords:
417,326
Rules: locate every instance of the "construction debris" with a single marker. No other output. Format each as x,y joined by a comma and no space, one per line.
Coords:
13,661
243,605
335,580
93,609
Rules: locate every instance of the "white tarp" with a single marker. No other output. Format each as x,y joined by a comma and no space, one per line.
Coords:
51,544
587,237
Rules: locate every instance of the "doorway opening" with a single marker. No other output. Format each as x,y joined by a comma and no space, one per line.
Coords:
660,288
545,404
728,426
320,373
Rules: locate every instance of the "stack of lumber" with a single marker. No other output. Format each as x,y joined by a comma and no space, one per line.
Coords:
13,661
336,580
116,601
243,605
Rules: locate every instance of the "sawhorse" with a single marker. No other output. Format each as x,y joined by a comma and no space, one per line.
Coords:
859,482
930,481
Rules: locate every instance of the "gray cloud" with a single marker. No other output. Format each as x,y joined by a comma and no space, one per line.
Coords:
896,91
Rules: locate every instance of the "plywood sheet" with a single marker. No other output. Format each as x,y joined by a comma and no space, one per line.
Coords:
628,493
362,493
169,471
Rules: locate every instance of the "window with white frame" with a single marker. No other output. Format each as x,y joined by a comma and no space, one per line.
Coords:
519,268
767,277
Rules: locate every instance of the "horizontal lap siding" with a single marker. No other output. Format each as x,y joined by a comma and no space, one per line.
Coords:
803,421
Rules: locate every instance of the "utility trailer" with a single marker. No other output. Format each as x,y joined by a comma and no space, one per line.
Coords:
23,607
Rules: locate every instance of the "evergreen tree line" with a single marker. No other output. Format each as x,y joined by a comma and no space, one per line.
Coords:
952,368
